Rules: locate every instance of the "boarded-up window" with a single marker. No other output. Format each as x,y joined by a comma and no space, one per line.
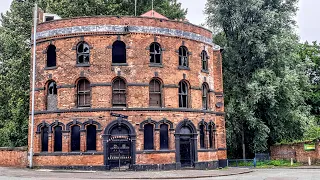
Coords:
91,137
205,97
119,92
211,136
119,52
204,60
84,95
155,93
51,56
155,53
183,94
52,96
164,136
58,138
83,53
44,138
75,138
148,137
202,133
183,56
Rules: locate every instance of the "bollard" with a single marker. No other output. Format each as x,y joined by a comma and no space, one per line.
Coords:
254,162
309,161
291,161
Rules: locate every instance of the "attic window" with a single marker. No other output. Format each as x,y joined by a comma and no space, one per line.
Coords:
49,18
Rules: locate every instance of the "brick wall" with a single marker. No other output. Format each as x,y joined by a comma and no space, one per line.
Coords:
295,151
13,157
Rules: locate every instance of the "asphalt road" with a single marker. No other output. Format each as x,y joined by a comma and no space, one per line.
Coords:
257,174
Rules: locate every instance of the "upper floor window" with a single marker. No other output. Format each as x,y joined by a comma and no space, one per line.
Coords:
119,52
205,96
204,60
51,56
83,93
119,92
155,53
155,93
52,96
183,57
183,94
83,53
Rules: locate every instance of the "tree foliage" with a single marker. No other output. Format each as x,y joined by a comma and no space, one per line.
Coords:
15,33
265,80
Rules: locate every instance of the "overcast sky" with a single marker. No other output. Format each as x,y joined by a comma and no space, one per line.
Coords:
308,16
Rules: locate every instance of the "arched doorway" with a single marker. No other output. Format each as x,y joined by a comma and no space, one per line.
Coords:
186,144
119,142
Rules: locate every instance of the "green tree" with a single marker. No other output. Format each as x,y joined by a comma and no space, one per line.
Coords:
264,78
15,33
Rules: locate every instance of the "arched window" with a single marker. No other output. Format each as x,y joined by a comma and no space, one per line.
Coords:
75,138
155,93
52,96
57,138
51,56
119,92
212,139
44,139
91,137
83,53
119,52
155,53
204,60
205,96
183,57
148,137
183,94
164,136
202,134
83,93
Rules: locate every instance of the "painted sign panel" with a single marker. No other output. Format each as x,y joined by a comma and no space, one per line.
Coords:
309,147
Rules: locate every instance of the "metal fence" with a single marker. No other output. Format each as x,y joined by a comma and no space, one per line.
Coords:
259,157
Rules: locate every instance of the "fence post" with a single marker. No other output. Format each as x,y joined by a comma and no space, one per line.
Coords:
291,161
254,162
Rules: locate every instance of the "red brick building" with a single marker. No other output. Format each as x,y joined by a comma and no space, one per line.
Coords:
143,92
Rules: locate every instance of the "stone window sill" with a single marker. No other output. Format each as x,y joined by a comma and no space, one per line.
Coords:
82,65
183,68
50,68
155,151
205,71
119,64
156,65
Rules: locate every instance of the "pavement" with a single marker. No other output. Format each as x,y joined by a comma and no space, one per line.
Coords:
39,174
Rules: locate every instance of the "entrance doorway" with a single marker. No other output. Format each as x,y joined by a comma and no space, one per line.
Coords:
186,144
119,145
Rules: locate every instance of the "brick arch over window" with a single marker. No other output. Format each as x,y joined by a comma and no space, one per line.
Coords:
57,123
41,125
166,121
149,121
119,92
91,122
72,123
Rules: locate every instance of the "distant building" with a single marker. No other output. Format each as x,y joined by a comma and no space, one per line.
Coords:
142,92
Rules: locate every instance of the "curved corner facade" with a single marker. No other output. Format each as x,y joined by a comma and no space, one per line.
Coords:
142,93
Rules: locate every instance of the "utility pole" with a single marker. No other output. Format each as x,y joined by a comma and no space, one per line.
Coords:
135,8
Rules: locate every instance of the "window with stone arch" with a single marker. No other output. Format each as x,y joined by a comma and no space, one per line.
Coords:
83,53
119,90
52,95
155,93
212,136
204,60
44,138
205,96
57,139
91,137
51,56
75,138
83,93
164,136
183,94
119,52
183,57
155,53
148,136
